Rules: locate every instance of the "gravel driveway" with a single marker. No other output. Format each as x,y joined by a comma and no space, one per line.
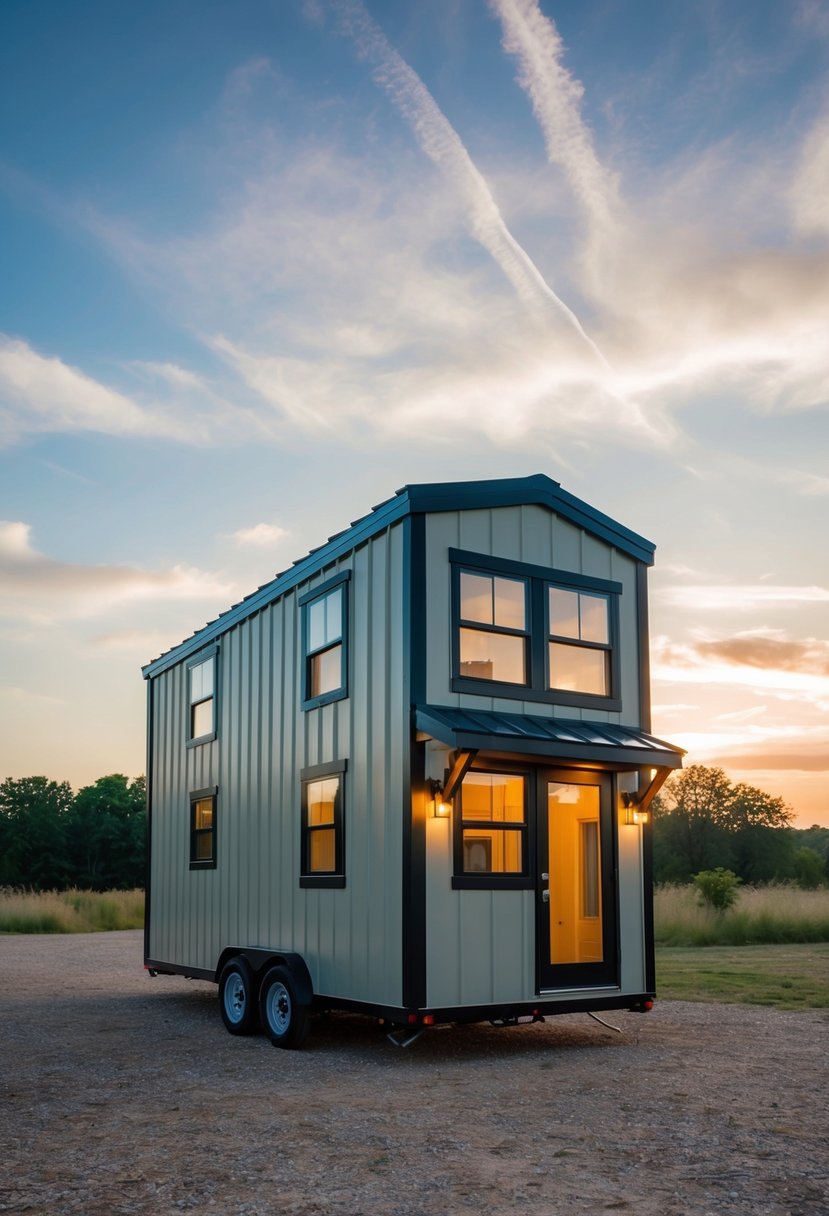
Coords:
125,1094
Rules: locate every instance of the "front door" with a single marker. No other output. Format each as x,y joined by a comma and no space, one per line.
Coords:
577,896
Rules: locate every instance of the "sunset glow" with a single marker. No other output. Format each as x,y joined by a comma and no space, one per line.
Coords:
264,265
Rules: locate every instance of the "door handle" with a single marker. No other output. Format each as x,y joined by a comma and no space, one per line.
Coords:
545,897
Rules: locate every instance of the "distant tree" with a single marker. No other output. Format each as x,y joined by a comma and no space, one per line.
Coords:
703,822
34,817
689,824
106,834
808,868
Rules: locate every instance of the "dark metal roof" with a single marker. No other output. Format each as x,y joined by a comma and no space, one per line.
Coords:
425,498
558,738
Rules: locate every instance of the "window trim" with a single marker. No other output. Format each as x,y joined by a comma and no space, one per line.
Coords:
304,601
538,580
212,652
317,772
212,793
464,881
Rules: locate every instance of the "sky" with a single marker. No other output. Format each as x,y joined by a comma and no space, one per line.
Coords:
261,264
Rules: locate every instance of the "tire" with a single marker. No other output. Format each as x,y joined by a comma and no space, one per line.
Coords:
284,1019
237,997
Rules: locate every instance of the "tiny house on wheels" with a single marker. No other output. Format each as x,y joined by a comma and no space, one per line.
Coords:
410,776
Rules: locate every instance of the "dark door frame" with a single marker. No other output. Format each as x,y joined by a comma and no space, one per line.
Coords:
605,974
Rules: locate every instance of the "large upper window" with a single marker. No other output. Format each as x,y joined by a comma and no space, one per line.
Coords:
579,647
322,863
534,634
491,829
493,628
203,829
324,642
201,692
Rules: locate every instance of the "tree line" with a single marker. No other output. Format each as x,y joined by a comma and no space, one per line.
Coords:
52,839
703,821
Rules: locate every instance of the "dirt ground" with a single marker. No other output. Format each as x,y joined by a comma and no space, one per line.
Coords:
122,1094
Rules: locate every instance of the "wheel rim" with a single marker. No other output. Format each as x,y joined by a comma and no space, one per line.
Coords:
278,1006
235,997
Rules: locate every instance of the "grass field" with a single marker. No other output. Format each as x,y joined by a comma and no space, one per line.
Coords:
786,977
761,916
70,911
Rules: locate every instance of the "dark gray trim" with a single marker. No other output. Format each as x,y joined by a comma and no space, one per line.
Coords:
413,500
550,574
148,816
308,597
315,771
336,877
413,894
643,636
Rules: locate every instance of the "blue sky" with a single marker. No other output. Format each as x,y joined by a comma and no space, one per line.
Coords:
262,264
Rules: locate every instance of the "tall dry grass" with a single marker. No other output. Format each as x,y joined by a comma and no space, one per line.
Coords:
69,911
761,915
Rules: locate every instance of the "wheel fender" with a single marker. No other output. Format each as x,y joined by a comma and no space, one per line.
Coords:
301,976
262,960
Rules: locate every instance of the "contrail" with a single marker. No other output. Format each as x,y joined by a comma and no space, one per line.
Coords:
555,95
442,144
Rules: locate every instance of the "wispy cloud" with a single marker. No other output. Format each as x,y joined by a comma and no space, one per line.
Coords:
444,147
34,586
260,536
556,100
740,597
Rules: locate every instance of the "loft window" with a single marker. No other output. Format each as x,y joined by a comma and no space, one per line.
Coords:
491,830
579,643
201,692
534,634
322,863
203,829
324,642
493,628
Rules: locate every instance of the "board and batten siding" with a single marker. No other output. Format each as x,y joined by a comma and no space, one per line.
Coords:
349,937
481,945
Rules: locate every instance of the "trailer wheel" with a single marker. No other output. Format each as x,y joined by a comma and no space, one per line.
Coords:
237,997
284,1019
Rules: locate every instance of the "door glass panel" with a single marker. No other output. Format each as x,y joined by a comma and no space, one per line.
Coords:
575,873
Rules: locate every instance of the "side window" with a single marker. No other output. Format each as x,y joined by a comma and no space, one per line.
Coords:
322,860
492,628
203,829
201,695
579,641
491,844
325,643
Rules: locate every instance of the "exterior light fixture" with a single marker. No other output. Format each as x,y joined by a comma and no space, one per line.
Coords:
634,813
441,808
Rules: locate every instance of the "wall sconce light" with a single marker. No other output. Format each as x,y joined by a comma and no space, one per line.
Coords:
440,807
634,814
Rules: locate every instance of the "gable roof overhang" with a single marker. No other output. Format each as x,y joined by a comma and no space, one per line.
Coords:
589,743
420,499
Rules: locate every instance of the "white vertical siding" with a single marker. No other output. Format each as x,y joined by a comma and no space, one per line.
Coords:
351,937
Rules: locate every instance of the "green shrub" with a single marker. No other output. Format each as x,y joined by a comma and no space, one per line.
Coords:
717,888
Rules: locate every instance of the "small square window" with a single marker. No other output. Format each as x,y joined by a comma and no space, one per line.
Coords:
203,829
